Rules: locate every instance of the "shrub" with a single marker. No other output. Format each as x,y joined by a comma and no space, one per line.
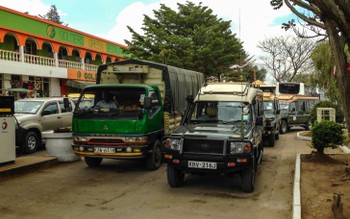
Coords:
339,115
326,134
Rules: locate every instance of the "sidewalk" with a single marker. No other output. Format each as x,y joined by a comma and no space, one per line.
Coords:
27,163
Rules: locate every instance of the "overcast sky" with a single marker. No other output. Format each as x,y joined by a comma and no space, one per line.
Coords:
251,20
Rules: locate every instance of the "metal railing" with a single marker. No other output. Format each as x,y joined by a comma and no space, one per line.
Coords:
46,61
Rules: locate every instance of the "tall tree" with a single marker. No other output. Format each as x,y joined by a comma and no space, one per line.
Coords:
324,77
287,56
332,16
191,38
52,15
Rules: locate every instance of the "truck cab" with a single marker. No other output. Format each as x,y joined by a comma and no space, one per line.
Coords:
222,133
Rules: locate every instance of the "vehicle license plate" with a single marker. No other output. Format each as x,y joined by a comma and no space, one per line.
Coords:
104,150
202,165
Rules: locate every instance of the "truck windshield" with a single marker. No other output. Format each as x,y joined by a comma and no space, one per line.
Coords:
111,103
268,107
27,106
223,112
284,106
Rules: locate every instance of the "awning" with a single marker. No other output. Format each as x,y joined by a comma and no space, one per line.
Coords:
19,89
79,84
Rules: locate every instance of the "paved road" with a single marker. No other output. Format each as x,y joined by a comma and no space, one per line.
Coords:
124,189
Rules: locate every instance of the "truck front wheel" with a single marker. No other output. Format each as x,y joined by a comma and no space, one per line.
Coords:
154,160
284,126
248,178
93,161
31,142
176,178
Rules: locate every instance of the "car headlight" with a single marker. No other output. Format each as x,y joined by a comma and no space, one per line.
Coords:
174,143
140,139
240,147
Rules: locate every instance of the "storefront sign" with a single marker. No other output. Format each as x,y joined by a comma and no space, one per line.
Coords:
81,75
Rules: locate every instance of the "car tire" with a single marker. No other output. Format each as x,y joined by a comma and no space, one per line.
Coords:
248,178
284,127
307,125
93,161
176,178
31,142
154,160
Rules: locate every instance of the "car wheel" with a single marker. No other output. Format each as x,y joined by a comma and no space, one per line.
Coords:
307,125
248,178
284,127
176,178
93,161
272,140
154,160
31,142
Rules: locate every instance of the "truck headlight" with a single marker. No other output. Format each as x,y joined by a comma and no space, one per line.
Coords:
240,147
174,143
139,139
80,138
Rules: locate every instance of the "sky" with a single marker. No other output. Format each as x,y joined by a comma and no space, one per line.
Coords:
251,20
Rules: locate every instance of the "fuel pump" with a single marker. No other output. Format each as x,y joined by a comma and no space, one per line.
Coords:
7,130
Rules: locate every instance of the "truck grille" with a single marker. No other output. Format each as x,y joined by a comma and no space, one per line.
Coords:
203,146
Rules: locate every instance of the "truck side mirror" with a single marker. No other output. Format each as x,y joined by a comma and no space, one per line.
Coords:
259,120
66,102
278,111
190,99
147,103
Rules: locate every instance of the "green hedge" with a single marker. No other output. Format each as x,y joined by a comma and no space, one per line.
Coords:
326,134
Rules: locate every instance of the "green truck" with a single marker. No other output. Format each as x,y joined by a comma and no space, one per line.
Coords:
136,103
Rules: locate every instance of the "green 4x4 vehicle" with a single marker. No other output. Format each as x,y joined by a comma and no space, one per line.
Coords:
221,133
295,110
273,118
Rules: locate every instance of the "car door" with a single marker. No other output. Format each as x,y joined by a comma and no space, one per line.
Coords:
50,117
66,114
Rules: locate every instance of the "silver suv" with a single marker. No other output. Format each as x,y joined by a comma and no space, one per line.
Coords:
35,115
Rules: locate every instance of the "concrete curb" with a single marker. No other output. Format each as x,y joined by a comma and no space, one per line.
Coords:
296,188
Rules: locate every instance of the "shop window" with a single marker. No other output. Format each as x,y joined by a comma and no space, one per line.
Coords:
62,54
30,48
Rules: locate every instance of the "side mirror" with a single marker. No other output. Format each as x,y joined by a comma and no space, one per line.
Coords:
259,120
66,103
190,99
278,111
147,103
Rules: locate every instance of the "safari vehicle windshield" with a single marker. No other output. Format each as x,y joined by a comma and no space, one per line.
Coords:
27,106
111,103
223,112
284,106
268,107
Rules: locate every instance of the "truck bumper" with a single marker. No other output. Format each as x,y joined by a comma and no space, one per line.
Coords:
223,165
117,152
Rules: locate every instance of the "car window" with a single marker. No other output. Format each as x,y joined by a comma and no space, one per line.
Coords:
51,107
63,109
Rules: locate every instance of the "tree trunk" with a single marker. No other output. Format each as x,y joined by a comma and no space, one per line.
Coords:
337,43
